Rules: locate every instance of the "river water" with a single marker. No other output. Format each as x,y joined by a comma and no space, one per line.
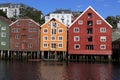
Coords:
17,70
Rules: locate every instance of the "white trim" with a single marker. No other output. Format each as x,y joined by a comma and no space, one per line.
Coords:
97,22
60,36
75,38
45,32
103,31
59,46
80,22
59,29
24,19
102,38
102,45
75,28
52,39
95,12
45,43
75,46
44,38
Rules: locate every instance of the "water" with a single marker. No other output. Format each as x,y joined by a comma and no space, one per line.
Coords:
58,71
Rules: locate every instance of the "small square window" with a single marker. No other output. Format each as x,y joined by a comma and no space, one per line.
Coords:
102,46
45,45
76,38
3,43
103,38
52,37
60,45
17,45
45,30
3,28
76,46
30,45
3,34
89,15
60,30
60,38
99,21
30,23
80,22
45,38
103,30
76,29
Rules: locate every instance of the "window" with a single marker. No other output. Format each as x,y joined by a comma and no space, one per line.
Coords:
60,30
3,34
30,30
76,38
53,45
60,45
60,38
53,31
45,38
89,23
76,29
80,22
30,36
103,38
3,43
30,23
30,45
89,39
76,46
53,38
34,30
3,28
45,45
89,47
89,15
99,21
54,25
103,30
16,30
17,37
89,31
17,45
102,46
45,30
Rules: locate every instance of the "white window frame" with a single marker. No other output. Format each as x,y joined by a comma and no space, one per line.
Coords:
76,28
3,43
76,45
3,34
45,46
75,38
17,45
59,37
80,22
44,31
3,28
102,45
44,38
99,21
103,29
54,37
59,44
51,46
102,38
60,29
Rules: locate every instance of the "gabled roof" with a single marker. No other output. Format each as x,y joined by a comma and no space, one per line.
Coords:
24,19
50,20
95,12
8,21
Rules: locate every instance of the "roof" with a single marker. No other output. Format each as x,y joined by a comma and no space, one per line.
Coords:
115,35
51,20
5,20
24,19
95,12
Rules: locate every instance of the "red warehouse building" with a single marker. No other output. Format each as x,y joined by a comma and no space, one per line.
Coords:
90,36
24,37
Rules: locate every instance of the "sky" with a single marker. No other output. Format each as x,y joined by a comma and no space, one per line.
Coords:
103,7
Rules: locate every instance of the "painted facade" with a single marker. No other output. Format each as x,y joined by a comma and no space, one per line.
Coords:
24,35
90,34
53,39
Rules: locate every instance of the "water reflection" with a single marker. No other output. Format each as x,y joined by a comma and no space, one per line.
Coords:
58,71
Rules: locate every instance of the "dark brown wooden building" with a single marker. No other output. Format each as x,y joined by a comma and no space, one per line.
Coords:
24,37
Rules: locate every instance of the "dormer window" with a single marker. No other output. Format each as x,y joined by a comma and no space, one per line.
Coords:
89,15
